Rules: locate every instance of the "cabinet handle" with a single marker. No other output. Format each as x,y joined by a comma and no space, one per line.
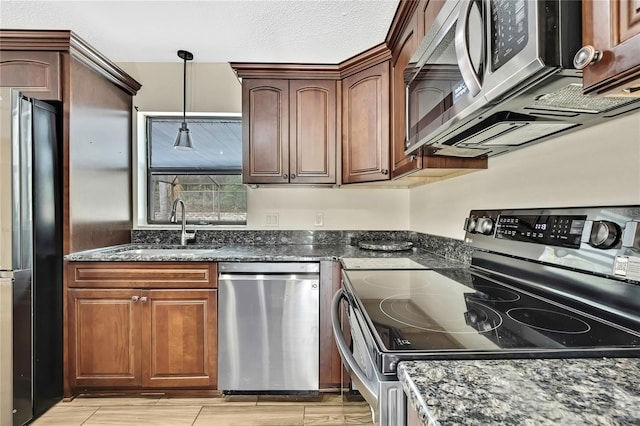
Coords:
384,171
144,299
586,56
135,298
293,175
285,176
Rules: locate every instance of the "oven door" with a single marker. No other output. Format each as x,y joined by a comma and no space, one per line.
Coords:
385,397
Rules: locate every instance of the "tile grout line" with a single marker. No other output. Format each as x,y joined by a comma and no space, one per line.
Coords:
91,415
197,415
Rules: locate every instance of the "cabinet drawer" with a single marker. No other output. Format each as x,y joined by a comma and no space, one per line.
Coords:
142,275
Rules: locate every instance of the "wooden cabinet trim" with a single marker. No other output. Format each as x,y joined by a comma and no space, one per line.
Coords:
35,74
142,274
405,17
65,40
286,71
369,58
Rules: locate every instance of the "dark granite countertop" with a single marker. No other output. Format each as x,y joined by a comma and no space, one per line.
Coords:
253,253
597,391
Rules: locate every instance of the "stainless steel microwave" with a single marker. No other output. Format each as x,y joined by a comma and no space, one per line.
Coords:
492,76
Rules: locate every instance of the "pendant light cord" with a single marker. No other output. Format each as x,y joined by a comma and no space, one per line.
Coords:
184,93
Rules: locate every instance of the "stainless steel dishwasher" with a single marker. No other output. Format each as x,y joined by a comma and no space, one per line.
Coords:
268,327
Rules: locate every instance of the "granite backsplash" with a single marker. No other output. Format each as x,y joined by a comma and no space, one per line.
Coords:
447,247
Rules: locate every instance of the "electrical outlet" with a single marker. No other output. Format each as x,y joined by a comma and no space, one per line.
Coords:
271,219
319,221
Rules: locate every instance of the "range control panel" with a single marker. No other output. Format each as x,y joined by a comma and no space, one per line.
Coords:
561,231
604,240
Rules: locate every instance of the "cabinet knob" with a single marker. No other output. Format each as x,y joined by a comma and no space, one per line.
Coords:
384,171
586,56
285,176
293,175
135,298
144,299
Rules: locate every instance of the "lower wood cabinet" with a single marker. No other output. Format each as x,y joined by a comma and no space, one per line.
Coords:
141,337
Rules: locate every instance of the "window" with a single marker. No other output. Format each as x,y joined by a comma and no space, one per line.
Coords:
208,178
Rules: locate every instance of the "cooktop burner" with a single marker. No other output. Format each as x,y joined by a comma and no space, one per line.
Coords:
543,319
494,294
400,308
425,310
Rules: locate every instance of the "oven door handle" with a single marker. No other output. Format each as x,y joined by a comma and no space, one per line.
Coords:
349,361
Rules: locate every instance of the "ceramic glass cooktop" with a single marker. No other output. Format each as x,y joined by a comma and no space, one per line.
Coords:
381,263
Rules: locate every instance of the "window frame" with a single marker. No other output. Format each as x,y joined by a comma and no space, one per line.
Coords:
141,172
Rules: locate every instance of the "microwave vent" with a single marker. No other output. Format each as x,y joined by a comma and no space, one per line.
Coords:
516,133
570,98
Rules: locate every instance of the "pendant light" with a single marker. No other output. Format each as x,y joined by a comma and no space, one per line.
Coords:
183,140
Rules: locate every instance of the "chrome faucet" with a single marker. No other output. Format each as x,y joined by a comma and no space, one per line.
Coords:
185,236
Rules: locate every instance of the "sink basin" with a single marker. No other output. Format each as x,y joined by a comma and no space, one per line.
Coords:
177,251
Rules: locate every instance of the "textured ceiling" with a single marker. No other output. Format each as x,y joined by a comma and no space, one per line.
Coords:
308,31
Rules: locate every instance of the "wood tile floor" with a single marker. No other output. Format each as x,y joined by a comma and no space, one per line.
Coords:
240,410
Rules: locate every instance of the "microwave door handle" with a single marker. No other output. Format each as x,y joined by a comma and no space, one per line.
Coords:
469,75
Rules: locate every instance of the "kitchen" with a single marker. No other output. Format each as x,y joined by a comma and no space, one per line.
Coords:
597,176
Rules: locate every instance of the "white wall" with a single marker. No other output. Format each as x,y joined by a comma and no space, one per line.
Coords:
210,87
215,88
596,166
342,208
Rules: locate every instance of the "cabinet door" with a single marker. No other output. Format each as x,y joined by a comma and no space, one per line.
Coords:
179,338
401,163
104,338
265,131
613,28
35,74
365,125
312,137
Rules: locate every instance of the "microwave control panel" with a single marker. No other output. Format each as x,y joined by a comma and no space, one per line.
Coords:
561,231
509,30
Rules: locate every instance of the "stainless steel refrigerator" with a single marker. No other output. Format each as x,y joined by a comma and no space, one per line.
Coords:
30,258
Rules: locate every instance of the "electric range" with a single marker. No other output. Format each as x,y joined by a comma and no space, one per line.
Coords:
543,283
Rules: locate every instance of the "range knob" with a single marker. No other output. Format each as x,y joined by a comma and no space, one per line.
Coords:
470,225
484,225
604,234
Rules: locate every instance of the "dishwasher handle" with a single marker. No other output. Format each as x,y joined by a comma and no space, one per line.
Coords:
269,267
350,363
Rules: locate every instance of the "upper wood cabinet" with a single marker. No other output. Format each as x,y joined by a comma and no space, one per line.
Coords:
612,27
95,101
35,74
289,131
406,47
365,125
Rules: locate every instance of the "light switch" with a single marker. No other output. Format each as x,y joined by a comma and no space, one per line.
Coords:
319,221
